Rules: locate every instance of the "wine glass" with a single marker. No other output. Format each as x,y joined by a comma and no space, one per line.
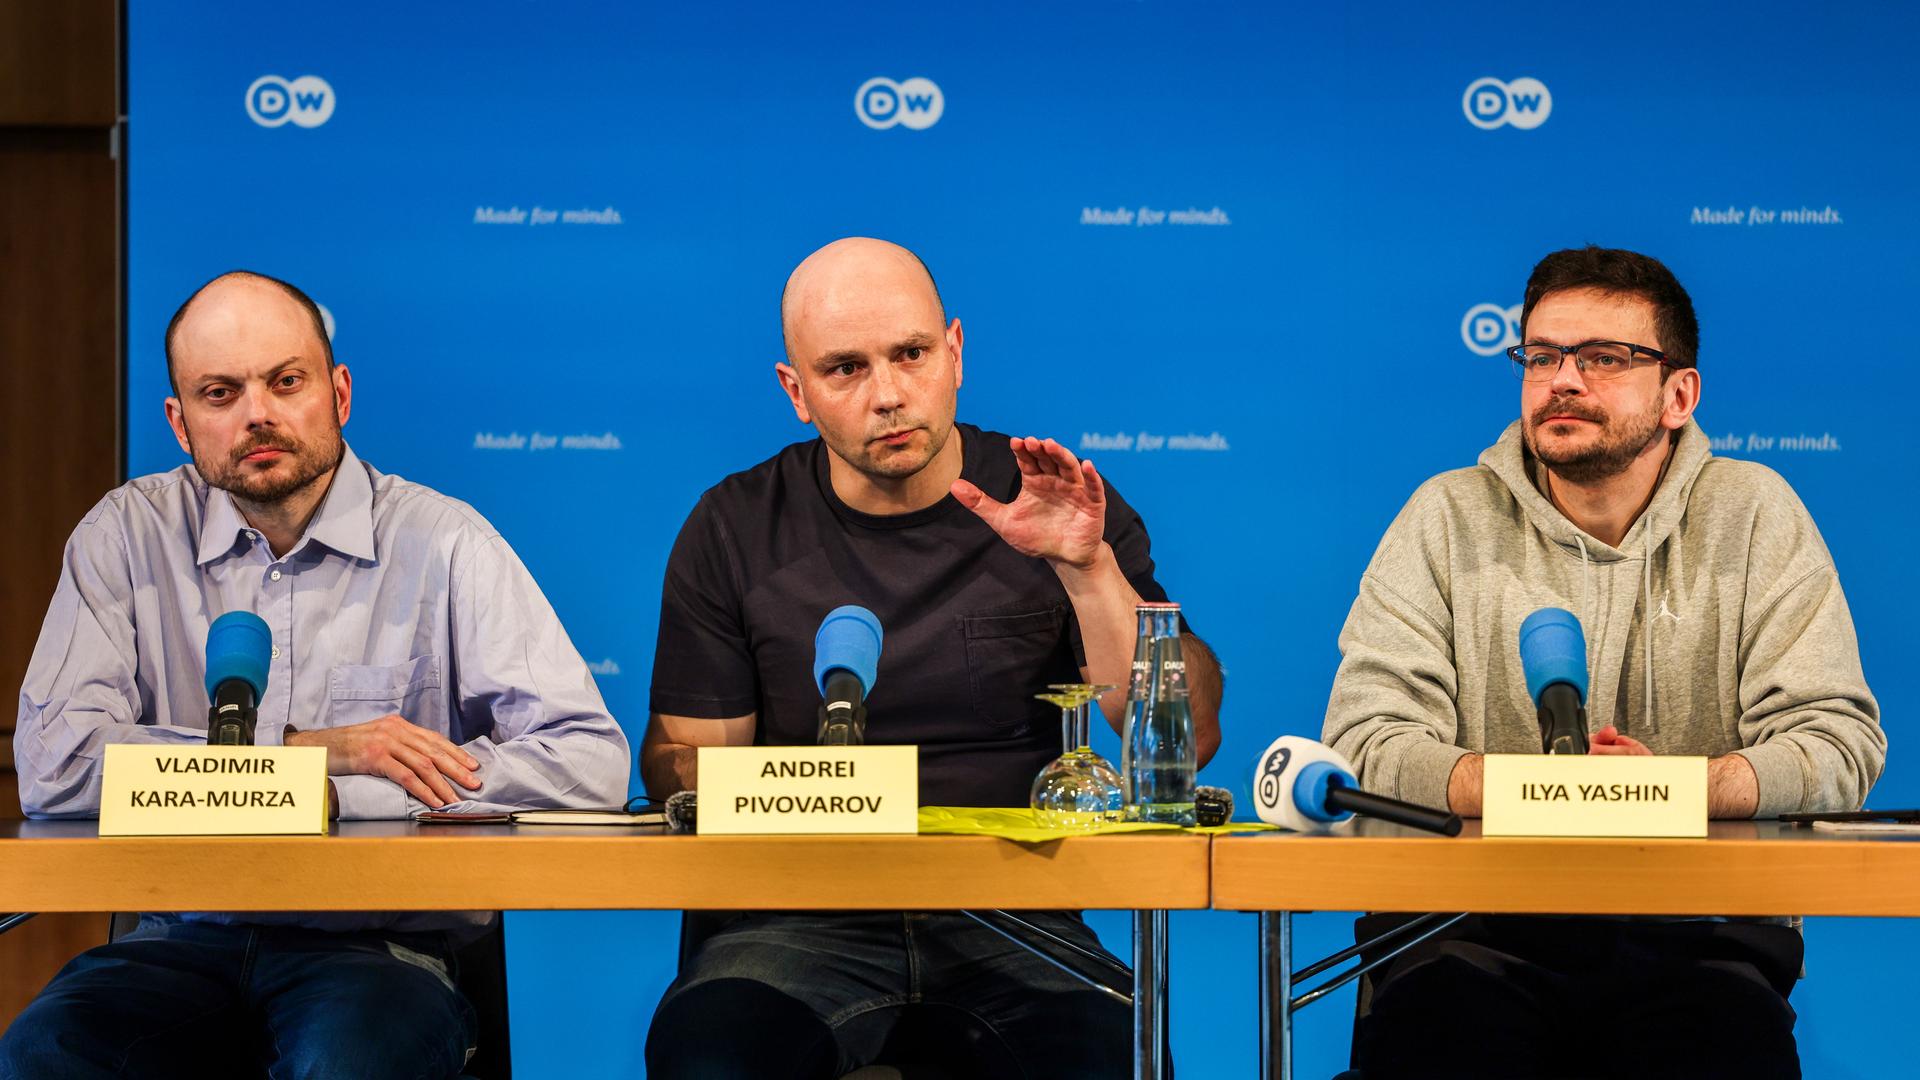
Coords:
1078,790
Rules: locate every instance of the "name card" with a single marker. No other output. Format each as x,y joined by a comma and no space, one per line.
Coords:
748,790
150,790
1593,795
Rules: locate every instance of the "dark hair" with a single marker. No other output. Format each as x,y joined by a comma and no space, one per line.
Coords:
305,301
1630,273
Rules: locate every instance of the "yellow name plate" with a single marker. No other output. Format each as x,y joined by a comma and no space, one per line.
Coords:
1597,795
748,790
213,790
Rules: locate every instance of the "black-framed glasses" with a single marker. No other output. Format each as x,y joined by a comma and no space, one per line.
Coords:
1594,359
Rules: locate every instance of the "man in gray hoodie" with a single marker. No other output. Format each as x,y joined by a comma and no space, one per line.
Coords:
1715,626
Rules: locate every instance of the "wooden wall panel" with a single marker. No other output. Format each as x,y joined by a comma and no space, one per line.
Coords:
60,360
59,63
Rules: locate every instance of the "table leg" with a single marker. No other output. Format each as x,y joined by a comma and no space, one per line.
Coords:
1276,995
1149,995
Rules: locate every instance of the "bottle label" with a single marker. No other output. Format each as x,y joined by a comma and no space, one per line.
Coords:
1173,680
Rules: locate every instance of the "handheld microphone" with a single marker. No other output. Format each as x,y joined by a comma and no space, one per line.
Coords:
846,654
239,647
1553,654
1306,786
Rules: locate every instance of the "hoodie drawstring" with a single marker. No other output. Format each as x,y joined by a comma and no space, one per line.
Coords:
1586,594
1647,613
1646,607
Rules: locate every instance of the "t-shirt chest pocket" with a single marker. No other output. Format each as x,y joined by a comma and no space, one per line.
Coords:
357,693
1010,658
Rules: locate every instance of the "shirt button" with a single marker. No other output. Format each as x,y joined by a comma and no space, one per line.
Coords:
251,535
275,575
276,652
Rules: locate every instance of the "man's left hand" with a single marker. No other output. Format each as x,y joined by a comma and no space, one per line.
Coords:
1608,740
1061,512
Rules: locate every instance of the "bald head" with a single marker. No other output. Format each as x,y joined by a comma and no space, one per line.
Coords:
233,298
844,276
874,364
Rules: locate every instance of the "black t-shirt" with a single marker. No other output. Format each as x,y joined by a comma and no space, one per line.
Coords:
973,629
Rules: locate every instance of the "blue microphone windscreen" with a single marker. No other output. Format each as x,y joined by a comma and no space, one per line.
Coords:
1553,649
239,646
849,638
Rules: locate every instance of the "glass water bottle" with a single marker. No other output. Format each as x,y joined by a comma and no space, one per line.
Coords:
1161,755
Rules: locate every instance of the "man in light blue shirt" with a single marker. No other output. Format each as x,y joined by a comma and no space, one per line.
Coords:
408,640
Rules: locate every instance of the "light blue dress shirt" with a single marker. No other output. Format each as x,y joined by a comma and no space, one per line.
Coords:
397,599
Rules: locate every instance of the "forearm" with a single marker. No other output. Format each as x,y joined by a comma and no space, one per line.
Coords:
1733,789
1823,762
60,751
668,768
1205,687
1103,604
577,768
1466,786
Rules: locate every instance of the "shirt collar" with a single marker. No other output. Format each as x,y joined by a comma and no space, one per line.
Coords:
344,521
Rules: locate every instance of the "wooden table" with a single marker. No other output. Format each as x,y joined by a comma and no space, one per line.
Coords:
400,866
1741,868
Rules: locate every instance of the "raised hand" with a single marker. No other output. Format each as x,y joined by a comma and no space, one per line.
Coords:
1061,512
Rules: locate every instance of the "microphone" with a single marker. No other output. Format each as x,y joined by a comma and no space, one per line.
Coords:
846,652
1553,654
1306,786
682,811
239,646
1212,806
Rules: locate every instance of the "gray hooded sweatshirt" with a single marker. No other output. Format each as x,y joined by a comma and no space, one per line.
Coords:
1717,626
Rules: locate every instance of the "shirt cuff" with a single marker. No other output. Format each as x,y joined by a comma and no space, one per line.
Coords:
1776,768
371,798
1425,769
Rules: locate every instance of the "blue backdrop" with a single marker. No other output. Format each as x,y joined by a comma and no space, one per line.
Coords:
1275,247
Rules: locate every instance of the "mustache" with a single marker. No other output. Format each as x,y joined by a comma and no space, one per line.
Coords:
892,424
1567,407
264,442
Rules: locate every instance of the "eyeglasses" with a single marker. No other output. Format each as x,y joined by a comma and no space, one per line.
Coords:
1594,359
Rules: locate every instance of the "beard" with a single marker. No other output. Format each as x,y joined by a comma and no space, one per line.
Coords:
1620,440
303,465
883,462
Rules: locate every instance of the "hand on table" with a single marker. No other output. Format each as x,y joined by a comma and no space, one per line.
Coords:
1608,740
1061,512
413,757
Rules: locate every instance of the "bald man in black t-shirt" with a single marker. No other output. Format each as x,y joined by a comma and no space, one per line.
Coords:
997,566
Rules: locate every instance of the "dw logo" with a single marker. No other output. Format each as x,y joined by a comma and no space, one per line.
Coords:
1524,103
307,101
1268,790
915,102
1489,328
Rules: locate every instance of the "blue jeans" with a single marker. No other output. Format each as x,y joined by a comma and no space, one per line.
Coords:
818,994
201,1000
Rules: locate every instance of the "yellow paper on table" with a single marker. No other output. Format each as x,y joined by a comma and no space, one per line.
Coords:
1015,823
1599,795
1018,824
148,790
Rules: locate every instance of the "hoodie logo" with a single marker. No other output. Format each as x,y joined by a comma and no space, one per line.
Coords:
1665,612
